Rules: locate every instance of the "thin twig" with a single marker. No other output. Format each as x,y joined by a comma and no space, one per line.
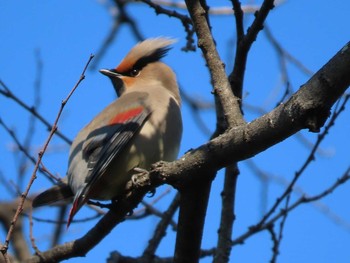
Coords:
275,242
57,233
160,230
285,53
63,222
9,94
310,158
266,177
19,210
302,200
149,205
24,150
228,216
283,57
221,10
23,162
196,106
7,185
31,235
120,18
185,20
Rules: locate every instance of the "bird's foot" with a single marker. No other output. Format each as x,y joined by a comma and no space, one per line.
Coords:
141,178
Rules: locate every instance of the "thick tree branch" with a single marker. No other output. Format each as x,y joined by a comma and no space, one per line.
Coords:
307,108
230,104
195,194
193,207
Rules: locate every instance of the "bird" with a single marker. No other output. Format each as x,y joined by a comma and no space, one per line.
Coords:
141,127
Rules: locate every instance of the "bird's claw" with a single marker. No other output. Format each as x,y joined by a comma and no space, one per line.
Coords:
152,192
141,178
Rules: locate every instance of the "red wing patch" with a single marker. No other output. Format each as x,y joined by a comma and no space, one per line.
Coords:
126,115
72,212
75,208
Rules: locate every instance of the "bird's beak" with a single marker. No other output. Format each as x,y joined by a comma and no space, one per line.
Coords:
116,79
110,73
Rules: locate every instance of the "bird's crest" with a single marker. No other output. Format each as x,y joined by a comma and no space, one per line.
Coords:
145,52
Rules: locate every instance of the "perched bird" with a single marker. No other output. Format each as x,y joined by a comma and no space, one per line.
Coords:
138,129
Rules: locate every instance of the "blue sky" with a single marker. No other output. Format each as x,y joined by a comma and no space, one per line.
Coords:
66,33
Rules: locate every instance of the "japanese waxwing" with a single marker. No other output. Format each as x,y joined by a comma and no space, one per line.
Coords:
138,129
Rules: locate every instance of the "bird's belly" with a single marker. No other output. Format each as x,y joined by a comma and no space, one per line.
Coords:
150,146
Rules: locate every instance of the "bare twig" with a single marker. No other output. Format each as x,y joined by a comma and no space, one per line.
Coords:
231,113
8,93
283,57
275,242
303,200
20,248
22,163
266,178
106,43
228,216
309,159
63,222
31,235
19,210
160,230
149,206
7,185
285,53
185,20
120,18
59,227
197,105
239,20
222,10
24,150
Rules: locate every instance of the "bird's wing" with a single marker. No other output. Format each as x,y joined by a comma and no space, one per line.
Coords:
104,143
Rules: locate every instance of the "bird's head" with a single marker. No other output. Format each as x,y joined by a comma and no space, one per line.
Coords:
141,67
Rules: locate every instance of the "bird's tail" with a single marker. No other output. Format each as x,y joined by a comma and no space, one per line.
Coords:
57,193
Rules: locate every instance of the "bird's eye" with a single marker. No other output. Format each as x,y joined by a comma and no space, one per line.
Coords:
134,72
